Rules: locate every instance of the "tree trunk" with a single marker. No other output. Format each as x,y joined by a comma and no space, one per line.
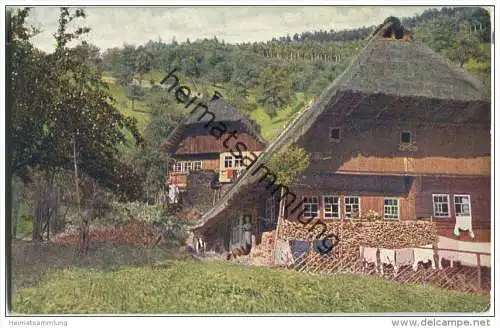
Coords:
15,208
281,213
83,226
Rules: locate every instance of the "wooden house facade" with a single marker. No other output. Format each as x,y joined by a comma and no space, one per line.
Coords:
402,132
195,147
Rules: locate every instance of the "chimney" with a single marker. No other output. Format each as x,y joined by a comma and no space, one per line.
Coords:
392,29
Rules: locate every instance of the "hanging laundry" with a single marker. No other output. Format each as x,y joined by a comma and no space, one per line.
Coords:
447,255
423,255
369,255
404,256
463,223
283,253
323,246
388,256
485,260
300,248
468,259
173,194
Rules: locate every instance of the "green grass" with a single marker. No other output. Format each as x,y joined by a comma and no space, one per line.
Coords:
188,286
271,127
24,220
157,76
124,105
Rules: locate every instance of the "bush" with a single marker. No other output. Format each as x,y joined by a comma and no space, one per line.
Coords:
135,223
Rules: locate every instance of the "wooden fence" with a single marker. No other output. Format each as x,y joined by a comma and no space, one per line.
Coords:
466,271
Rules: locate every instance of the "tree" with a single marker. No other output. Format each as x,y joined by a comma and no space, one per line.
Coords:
62,112
134,92
287,164
92,53
275,89
127,65
143,63
465,46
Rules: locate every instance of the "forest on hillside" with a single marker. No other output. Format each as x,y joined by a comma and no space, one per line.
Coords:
75,141
305,62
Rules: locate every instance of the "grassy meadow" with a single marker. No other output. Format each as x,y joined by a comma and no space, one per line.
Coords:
129,279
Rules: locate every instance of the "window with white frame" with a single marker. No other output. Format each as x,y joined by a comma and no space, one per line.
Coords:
310,207
351,206
228,161
187,166
441,204
391,208
197,165
331,207
238,162
177,167
462,205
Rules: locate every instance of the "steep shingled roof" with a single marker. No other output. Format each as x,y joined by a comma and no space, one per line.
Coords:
223,112
383,66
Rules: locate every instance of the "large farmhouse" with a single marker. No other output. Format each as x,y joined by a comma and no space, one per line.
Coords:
401,131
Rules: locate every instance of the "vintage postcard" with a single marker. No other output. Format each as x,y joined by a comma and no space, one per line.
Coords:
250,160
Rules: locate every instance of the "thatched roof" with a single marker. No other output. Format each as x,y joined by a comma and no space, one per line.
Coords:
392,67
399,68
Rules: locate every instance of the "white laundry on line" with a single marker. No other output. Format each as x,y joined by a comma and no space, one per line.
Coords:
388,256
485,260
423,255
463,223
468,259
404,256
369,254
447,255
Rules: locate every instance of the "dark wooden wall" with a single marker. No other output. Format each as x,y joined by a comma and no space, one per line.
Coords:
479,190
370,189
416,202
370,140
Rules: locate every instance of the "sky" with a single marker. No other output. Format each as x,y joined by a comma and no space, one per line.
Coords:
114,26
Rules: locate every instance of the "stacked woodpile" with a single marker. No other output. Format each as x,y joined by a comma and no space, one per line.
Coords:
263,253
384,233
134,232
354,233
189,214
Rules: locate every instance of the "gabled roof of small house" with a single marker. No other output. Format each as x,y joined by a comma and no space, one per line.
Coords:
222,112
386,65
